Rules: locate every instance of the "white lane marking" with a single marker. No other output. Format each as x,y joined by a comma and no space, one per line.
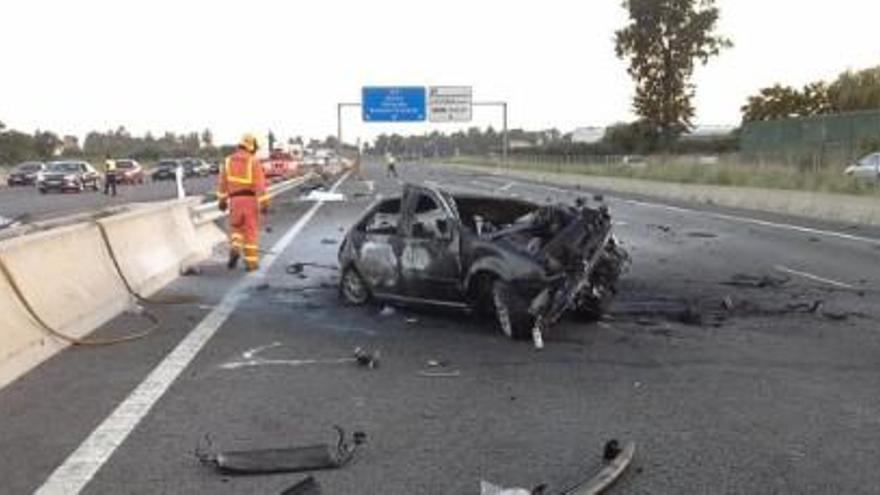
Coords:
486,185
507,186
82,465
251,358
755,221
815,278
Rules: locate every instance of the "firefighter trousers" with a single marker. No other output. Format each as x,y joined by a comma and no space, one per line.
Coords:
244,229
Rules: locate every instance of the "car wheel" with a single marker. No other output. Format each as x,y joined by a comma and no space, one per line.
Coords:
511,313
42,190
352,287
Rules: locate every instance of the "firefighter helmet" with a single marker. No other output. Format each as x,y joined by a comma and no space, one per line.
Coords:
248,143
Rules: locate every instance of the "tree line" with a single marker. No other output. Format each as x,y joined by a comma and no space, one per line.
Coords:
851,91
17,146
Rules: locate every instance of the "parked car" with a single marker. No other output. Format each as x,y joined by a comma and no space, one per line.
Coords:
165,170
196,167
214,167
25,174
68,176
129,172
525,263
868,167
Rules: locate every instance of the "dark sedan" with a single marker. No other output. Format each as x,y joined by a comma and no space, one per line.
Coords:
166,170
526,263
25,174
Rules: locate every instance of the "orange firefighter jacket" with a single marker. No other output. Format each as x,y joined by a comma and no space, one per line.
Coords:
242,175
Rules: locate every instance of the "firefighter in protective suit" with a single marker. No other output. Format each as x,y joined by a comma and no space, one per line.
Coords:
241,188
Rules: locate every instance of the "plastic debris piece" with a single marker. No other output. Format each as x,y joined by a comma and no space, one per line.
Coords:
284,460
306,486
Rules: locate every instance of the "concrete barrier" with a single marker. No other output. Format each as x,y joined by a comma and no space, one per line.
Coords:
22,342
153,243
840,208
68,278
68,274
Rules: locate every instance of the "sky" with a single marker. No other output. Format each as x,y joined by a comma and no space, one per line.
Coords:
72,66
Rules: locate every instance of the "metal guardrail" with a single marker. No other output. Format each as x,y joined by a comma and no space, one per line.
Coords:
208,212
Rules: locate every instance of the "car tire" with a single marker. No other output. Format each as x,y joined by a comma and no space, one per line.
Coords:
42,190
353,288
511,312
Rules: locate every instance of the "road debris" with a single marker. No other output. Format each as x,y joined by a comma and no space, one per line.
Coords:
307,486
298,267
387,311
282,460
440,374
487,488
324,196
328,241
756,281
702,235
615,461
412,320
366,359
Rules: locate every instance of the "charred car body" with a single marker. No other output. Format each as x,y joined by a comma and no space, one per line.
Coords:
525,263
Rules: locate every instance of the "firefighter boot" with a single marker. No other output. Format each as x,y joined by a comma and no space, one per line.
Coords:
233,260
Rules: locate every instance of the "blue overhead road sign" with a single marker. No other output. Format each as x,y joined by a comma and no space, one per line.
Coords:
393,104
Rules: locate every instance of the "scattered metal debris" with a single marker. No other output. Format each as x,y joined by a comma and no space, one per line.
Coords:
756,281
282,460
307,486
324,196
366,359
616,460
440,374
702,235
298,267
328,241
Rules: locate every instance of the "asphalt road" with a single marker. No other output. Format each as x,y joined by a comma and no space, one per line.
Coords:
725,387
21,200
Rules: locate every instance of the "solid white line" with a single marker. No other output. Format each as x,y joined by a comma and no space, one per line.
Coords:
814,278
82,465
507,186
755,221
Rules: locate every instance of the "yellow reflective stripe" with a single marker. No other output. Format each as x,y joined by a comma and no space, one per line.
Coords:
263,198
237,236
251,246
222,195
251,258
246,179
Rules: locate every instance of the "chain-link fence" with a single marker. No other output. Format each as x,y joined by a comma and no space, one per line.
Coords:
812,142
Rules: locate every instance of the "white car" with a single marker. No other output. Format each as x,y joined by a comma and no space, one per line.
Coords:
866,168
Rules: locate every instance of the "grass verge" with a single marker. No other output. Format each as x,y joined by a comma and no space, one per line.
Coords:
719,174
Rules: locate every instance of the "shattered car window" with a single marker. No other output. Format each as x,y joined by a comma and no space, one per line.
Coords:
429,220
385,220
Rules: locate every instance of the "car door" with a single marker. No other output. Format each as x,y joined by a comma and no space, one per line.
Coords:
378,245
430,266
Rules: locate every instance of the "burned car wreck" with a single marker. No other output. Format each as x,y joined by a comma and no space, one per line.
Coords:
524,263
